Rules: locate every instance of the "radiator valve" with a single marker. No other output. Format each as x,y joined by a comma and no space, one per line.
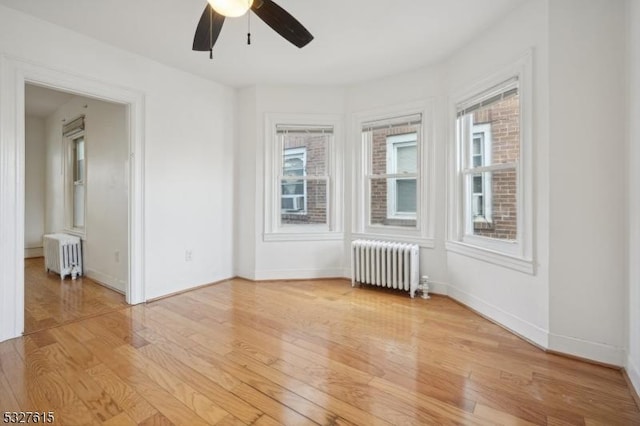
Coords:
424,286
75,271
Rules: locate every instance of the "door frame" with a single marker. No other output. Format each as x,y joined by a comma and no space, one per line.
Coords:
14,74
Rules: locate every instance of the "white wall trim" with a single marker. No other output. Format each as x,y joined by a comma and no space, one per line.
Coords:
490,256
297,274
14,74
522,68
303,236
425,227
517,325
31,252
438,287
585,349
633,371
108,281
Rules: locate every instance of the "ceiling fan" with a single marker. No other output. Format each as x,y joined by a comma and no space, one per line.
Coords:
277,18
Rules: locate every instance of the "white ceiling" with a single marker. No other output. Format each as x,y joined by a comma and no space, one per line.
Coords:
355,40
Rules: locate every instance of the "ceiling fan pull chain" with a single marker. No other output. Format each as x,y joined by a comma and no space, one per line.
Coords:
248,28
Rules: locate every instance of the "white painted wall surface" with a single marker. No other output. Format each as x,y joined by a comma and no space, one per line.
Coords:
245,184
280,259
106,222
518,300
188,169
34,209
587,201
633,358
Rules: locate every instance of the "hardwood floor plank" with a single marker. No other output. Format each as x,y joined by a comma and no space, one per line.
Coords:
299,352
132,403
499,417
50,301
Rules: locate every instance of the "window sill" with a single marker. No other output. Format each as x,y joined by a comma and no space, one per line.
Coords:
302,236
491,256
75,233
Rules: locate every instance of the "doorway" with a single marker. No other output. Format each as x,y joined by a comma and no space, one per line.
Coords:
14,75
75,184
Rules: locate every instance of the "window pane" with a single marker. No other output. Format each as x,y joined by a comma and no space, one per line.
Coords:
495,131
305,154
406,159
387,197
406,195
494,207
78,159
306,204
78,206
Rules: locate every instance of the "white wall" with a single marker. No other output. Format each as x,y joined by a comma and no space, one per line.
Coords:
633,359
278,259
188,169
34,208
587,201
247,221
516,299
106,221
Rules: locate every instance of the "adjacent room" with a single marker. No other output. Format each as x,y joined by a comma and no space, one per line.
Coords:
320,212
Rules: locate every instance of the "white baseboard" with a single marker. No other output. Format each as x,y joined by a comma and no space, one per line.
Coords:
586,349
633,371
517,325
33,252
106,280
438,287
297,274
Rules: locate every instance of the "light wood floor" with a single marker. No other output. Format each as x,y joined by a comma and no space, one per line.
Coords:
50,301
297,353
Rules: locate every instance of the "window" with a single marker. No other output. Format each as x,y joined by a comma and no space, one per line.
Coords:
489,132
304,179
393,172
491,181
394,184
302,174
75,175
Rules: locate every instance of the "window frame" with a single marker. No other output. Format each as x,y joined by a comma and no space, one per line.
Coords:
424,231
518,254
274,230
70,183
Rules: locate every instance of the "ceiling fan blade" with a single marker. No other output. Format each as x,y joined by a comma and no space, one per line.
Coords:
282,22
208,29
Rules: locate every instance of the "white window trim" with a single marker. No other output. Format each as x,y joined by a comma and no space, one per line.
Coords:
273,229
393,143
69,184
423,233
516,255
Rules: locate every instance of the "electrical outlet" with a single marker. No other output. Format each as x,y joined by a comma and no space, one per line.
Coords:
188,255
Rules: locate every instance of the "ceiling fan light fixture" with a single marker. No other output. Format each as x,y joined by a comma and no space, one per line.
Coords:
231,8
